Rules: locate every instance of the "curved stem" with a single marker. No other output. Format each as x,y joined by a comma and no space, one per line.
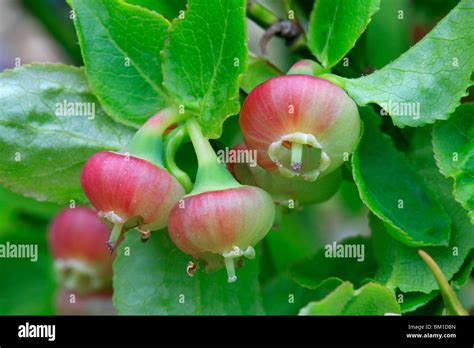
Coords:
337,80
172,144
211,174
147,142
266,19
289,30
453,306
204,151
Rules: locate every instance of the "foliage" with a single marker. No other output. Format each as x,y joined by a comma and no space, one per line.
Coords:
412,172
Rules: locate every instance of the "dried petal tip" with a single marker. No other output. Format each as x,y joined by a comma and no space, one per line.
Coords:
114,237
144,235
110,246
249,253
191,268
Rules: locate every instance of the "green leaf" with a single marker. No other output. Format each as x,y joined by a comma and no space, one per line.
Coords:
292,240
411,301
42,151
27,205
332,263
332,304
152,280
451,301
335,26
371,299
396,194
282,296
121,46
426,83
167,8
258,71
462,276
453,145
414,301
27,286
400,265
434,307
205,54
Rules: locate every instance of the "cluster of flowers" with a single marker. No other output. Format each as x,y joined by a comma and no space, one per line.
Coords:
302,129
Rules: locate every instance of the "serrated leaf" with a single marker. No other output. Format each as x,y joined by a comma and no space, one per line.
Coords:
42,151
282,296
451,301
416,301
205,54
371,299
411,301
434,307
400,265
167,8
393,191
121,45
453,145
335,262
462,276
335,26
152,280
426,83
258,71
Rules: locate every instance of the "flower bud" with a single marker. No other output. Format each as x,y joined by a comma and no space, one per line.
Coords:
76,239
300,125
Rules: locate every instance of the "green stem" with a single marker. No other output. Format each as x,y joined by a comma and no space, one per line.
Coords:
204,151
260,15
172,144
453,306
337,80
308,67
211,174
114,236
147,143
